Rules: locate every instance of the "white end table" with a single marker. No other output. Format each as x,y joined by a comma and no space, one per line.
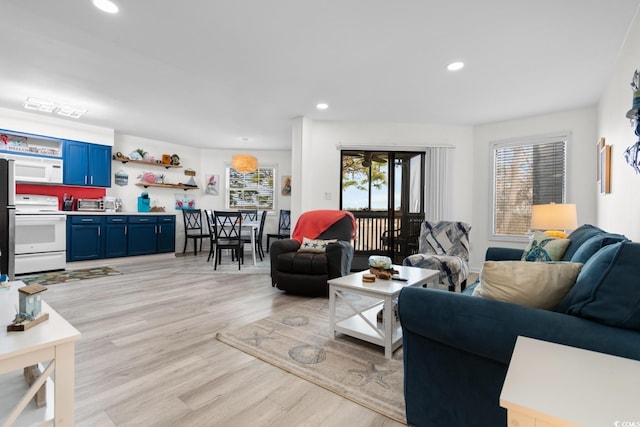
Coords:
553,385
363,323
52,340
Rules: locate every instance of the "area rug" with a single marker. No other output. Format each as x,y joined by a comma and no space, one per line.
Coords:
56,277
297,340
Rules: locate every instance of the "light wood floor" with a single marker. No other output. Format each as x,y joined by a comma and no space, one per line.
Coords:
148,355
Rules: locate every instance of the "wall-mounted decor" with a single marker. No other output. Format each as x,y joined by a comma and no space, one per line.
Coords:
632,153
121,178
604,167
185,201
213,185
286,186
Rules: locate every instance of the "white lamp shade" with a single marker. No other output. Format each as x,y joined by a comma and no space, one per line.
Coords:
554,217
244,163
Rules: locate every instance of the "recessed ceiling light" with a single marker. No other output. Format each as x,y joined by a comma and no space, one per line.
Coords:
49,106
106,6
455,66
322,106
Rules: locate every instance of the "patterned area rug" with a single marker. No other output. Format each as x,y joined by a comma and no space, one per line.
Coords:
56,277
297,340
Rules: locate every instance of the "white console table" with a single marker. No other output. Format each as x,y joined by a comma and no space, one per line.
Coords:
552,385
51,343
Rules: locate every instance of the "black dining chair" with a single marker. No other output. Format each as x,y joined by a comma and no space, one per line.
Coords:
211,228
193,228
284,227
249,215
228,226
259,234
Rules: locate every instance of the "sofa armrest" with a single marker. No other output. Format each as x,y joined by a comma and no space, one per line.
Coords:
503,254
339,258
489,328
279,247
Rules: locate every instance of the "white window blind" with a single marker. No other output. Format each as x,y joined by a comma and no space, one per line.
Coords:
254,190
525,174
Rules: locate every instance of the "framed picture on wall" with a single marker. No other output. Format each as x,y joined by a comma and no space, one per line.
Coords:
286,186
605,168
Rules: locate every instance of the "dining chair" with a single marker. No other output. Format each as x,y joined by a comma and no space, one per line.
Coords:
193,228
228,227
284,227
211,228
259,234
249,214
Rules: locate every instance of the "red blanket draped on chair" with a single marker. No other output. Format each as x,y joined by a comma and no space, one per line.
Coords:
313,223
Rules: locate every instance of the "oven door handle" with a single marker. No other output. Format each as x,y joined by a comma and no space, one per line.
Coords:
40,217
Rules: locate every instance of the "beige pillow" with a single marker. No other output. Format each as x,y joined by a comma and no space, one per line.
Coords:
315,246
532,284
544,248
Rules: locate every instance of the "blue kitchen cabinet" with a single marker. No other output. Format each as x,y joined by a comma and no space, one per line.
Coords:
84,238
115,236
166,238
142,239
86,164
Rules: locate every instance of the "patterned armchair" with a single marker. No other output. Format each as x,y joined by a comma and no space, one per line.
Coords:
444,246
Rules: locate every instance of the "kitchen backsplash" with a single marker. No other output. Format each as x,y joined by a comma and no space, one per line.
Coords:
60,191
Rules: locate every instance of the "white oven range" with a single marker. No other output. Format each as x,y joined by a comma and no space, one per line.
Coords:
40,234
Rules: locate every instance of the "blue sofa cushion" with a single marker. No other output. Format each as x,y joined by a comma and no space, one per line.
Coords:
578,237
594,244
608,287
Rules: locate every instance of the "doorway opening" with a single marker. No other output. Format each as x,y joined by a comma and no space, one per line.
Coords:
385,192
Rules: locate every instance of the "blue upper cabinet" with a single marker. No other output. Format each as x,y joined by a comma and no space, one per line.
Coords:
87,164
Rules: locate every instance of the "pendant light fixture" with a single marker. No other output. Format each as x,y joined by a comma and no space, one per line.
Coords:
244,163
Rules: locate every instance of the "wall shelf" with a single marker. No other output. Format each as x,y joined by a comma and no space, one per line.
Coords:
142,162
180,186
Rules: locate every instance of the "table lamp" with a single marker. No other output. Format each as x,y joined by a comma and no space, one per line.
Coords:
554,218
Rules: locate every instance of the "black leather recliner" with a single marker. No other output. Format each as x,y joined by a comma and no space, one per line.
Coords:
306,273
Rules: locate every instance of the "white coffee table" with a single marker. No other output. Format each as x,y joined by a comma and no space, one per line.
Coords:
363,323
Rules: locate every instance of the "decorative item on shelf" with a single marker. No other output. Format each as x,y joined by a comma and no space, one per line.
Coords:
157,209
554,218
632,153
191,182
190,172
119,156
166,159
160,179
175,159
147,177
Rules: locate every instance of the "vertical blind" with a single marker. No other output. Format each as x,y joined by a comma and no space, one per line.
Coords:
526,174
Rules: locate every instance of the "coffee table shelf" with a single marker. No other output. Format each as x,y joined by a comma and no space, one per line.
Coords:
363,323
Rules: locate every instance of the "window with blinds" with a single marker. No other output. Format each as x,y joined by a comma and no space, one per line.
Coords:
525,174
254,190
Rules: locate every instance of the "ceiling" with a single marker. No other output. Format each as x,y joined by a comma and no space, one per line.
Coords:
207,73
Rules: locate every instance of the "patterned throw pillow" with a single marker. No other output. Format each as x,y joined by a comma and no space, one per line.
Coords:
315,246
543,248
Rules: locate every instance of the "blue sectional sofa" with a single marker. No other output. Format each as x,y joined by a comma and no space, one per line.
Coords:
457,347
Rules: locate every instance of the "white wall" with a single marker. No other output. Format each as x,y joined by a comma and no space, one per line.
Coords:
619,211
204,162
581,161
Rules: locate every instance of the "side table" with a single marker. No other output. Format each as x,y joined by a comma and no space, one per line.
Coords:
553,385
52,340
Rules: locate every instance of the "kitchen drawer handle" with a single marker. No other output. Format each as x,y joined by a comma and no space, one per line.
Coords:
117,220
87,220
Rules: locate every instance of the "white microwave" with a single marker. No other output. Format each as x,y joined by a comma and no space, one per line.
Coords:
36,169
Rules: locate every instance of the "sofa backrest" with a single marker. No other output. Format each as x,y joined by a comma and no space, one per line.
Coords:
586,240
